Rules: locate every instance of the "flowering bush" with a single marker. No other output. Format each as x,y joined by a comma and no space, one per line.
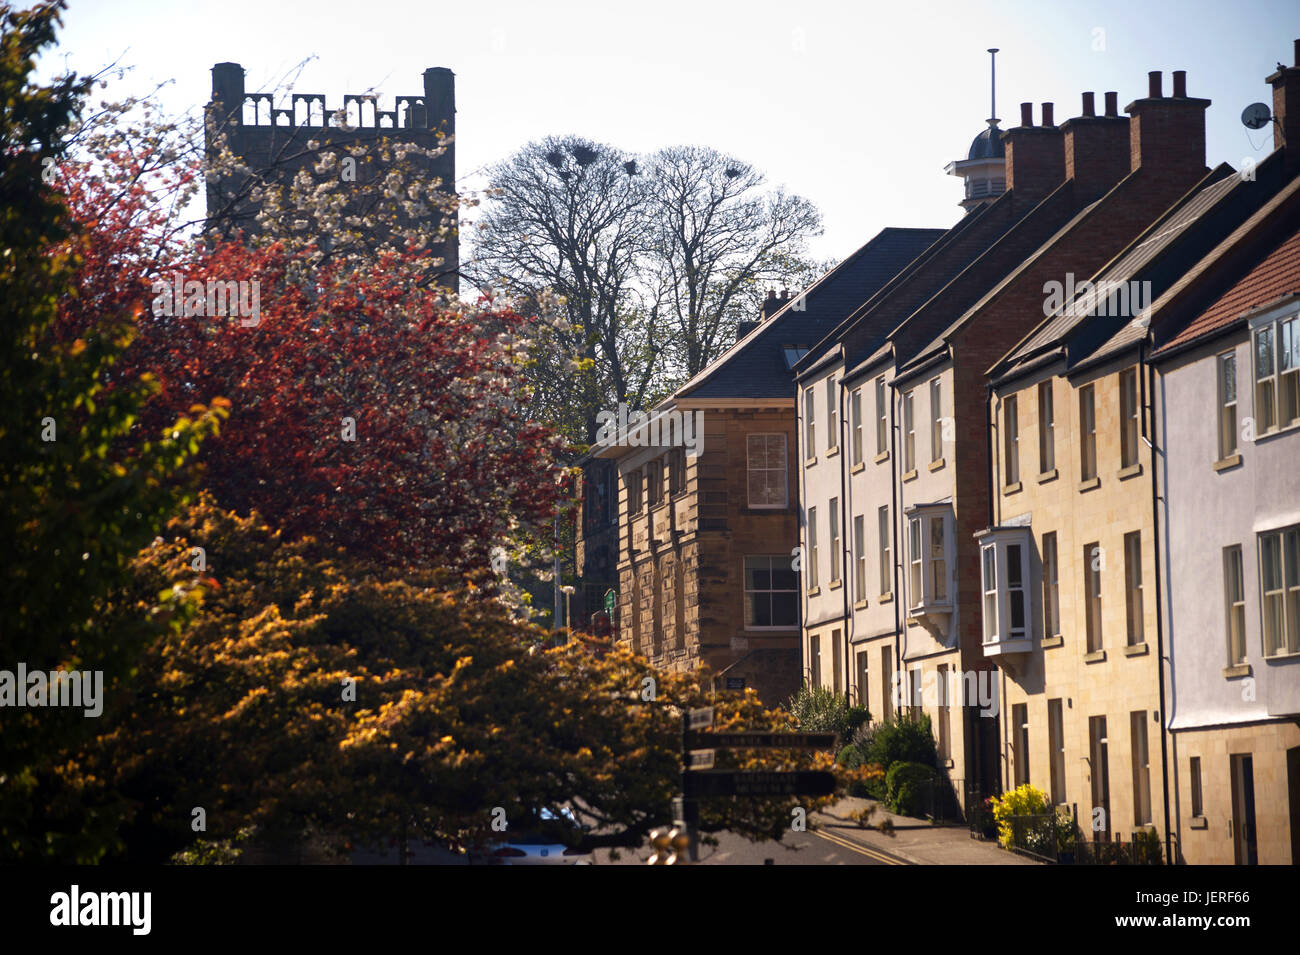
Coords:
1024,800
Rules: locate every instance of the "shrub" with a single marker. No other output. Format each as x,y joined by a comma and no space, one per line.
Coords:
819,710
1024,800
902,740
909,787
850,757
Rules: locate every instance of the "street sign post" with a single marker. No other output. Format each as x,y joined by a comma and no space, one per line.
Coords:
701,718
724,783
610,598
701,759
760,740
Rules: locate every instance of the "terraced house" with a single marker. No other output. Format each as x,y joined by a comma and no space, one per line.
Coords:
706,562
1068,564
1228,390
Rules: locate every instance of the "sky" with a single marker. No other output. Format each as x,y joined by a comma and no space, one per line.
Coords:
857,106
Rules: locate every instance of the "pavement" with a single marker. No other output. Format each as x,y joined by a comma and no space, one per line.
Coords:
917,841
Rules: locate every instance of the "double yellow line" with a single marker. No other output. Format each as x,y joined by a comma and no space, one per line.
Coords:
844,843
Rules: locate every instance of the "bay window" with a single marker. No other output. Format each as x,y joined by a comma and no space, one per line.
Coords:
929,540
1004,582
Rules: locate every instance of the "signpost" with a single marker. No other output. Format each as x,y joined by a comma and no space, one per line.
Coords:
701,781
760,740
610,599
724,783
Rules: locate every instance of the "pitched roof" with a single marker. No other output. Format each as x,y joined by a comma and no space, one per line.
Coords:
1274,276
756,367
1081,327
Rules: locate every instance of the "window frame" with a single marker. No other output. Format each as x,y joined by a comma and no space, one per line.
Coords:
1287,594
1234,604
773,561
936,420
860,556
1087,433
922,559
832,415
1011,441
855,405
810,523
882,416
833,540
1046,428
1227,429
1051,585
909,431
1283,383
750,470
1129,430
810,422
1092,601
1135,628
1003,549
884,550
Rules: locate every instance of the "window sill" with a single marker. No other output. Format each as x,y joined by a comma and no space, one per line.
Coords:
1045,476
810,462
1133,470
1012,488
1135,650
1089,484
1292,655
860,466
835,585
881,457
814,591
1232,672
831,452
1097,656
1224,464
860,605
1049,643
1198,822
909,476
885,599
1276,431
937,465
948,762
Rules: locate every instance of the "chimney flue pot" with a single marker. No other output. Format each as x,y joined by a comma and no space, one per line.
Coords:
1047,115
1153,84
1089,105
1026,114
1297,52
1180,84
1112,103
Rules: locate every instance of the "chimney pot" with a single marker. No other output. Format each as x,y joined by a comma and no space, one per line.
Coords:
1089,105
1112,103
1153,85
1180,84
771,295
1297,52
1047,115
1026,114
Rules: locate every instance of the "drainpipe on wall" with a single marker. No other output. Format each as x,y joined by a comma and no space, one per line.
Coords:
1145,369
990,422
893,529
846,550
799,534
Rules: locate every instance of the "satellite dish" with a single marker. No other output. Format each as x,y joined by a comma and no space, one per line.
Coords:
1255,116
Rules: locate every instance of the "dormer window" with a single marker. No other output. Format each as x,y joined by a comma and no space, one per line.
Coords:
792,354
1004,584
929,556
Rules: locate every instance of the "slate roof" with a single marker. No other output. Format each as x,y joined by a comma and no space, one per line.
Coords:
1164,253
1273,277
755,367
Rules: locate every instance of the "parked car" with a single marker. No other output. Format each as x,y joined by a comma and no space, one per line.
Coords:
540,843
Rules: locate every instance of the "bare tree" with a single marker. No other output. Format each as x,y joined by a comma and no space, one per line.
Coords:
657,259
569,217
720,237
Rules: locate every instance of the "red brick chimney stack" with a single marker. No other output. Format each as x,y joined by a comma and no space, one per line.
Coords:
1286,112
1096,148
1035,156
1167,133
